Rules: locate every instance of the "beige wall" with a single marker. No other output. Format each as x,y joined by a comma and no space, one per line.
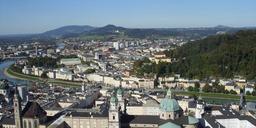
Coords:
144,125
140,110
8,126
87,122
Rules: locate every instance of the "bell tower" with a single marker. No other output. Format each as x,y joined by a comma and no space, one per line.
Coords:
114,115
199,107
17,108
121,101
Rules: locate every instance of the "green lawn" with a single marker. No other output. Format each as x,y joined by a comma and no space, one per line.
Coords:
216,96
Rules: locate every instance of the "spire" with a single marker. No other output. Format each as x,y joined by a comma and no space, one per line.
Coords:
242,101
17,108
16,93
200,97
169,93
113,101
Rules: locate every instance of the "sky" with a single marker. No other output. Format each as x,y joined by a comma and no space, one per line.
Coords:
36,16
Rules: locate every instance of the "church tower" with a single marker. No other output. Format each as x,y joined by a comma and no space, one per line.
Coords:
121,102
114,115
199,108
17,108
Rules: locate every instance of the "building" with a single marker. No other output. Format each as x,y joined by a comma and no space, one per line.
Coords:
170,116
104,118
160,57
5,89
70,61
248,88
121,100
62,73
151,107
32,116
227,118
23,92
116,45
86,120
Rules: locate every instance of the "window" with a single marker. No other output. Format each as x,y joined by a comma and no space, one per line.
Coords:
29,124
114,117
35,123
162,115
25,124
169,116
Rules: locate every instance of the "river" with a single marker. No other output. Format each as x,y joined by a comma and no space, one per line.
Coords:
3,66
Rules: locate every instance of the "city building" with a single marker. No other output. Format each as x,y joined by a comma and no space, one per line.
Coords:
31,116
70,61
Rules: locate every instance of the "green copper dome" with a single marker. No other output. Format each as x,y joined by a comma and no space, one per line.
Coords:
113,99
119,91
169,105
192,120
169,125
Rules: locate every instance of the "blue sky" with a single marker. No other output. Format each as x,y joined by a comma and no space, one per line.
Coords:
35,16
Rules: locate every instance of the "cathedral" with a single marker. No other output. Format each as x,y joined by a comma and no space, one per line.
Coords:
113,115
32,116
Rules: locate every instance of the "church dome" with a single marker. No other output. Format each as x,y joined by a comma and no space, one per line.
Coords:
113,99
119,91
169,105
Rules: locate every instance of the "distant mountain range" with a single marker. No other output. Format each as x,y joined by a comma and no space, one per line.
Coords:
113,31
66,30
121,32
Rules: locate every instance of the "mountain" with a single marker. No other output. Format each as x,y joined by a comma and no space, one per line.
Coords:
108,29
67,30
112,32
222,26
223,55
121,32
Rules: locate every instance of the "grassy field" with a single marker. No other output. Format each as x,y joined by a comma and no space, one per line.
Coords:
17,75
217,96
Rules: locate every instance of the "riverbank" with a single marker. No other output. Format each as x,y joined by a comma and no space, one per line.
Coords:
211,97
216,96
15,75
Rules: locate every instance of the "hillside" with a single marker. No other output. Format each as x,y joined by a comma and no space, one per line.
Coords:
67,31
112,32
222,55
116,32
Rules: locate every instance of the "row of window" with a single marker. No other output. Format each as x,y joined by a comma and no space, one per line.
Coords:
30,124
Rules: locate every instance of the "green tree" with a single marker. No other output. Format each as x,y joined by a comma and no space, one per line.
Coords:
248,93
207,88
190,88
232,92
44,75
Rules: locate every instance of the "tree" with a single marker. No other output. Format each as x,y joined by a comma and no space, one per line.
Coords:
89,71
44,75
207,88
190,88
254,93
232,92
248,93
197,85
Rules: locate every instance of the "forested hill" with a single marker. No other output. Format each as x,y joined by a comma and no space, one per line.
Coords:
221,55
